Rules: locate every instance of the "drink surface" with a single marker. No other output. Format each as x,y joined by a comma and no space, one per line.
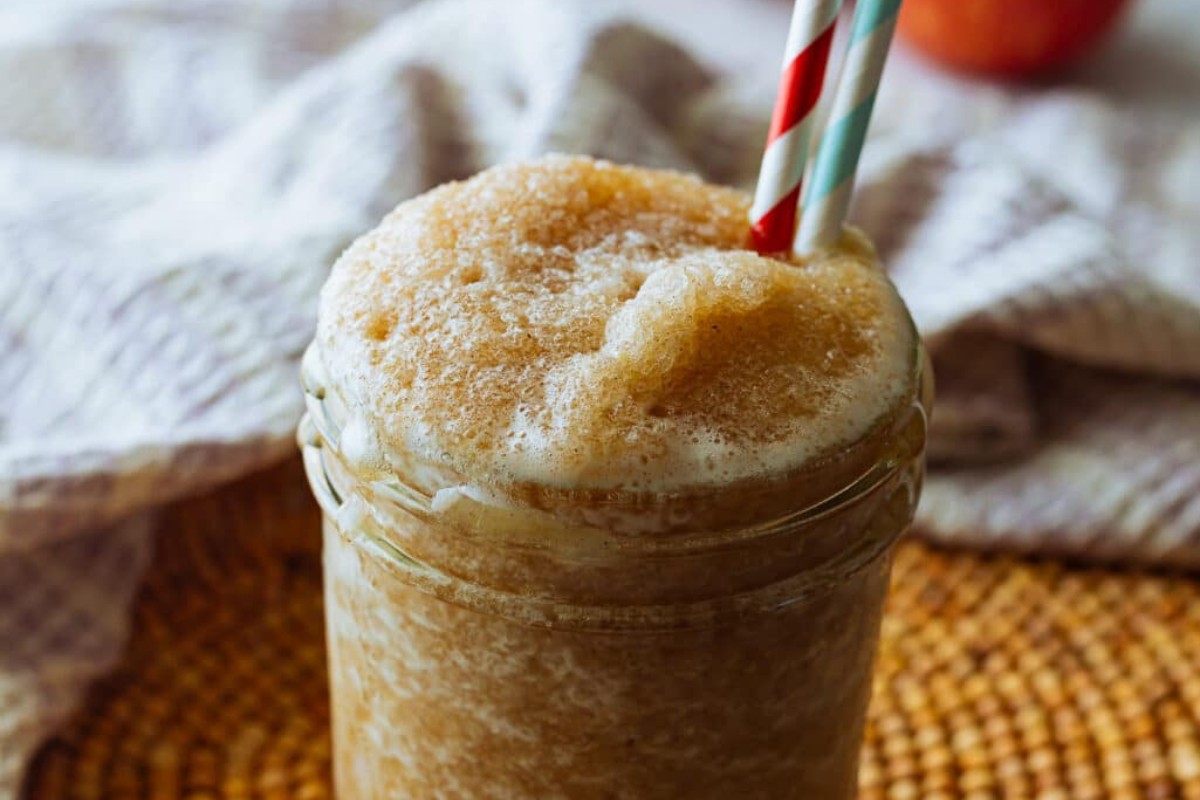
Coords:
572,323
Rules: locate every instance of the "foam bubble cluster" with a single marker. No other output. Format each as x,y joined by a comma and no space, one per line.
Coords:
573,323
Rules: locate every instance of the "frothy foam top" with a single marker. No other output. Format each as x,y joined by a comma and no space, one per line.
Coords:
573,323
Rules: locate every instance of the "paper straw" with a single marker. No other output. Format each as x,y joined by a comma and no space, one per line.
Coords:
773,214
836,163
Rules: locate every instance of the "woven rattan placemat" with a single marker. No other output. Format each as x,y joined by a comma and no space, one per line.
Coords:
997,677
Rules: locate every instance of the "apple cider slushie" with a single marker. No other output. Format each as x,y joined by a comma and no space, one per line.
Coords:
609,499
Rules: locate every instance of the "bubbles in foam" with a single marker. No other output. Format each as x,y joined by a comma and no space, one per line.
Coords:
573,323
359,444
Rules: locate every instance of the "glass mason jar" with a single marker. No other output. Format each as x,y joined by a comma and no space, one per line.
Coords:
606,645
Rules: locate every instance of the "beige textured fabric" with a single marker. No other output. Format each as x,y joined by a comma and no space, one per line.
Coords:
176,175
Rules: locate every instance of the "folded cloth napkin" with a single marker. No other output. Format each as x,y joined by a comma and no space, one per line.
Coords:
176,177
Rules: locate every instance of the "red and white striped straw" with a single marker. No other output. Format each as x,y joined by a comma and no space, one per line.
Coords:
773,214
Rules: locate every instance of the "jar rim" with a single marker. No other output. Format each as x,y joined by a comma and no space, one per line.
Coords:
837,551
536,609
319,431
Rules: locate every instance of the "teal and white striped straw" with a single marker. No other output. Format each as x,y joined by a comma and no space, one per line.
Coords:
832,179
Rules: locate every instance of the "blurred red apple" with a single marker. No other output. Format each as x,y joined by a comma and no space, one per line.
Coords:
1007,37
